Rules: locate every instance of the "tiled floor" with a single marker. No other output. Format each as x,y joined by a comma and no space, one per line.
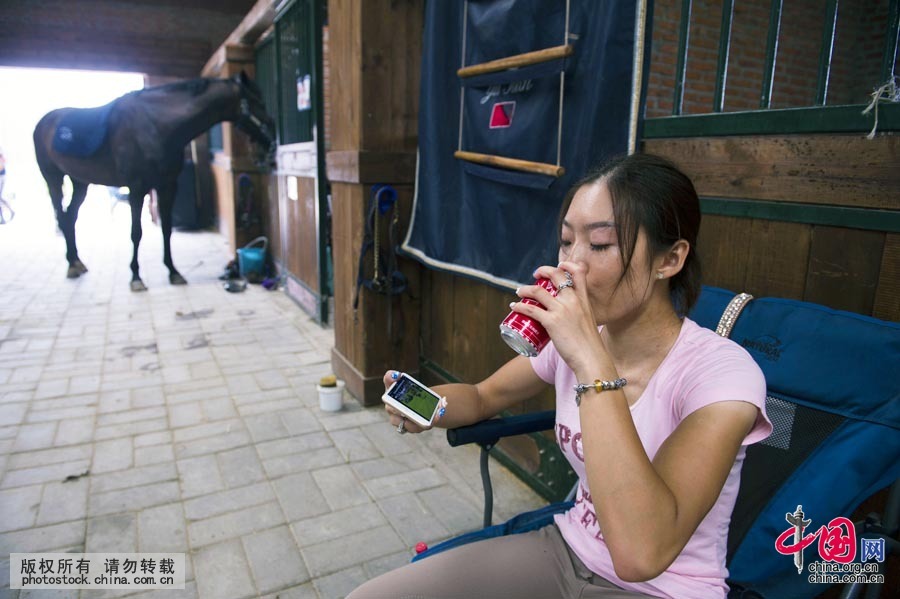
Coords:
188,420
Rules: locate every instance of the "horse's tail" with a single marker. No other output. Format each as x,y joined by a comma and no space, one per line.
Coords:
43,138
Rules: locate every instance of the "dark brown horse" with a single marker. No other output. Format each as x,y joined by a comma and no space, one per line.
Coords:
144,149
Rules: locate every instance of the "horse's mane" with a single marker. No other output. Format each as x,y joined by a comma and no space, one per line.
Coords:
195,87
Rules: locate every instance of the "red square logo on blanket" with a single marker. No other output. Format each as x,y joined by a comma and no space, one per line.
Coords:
502,115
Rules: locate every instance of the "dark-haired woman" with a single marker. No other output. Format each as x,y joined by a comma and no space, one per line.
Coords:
658,432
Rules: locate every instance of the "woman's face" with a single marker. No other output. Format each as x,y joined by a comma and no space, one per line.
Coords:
588,237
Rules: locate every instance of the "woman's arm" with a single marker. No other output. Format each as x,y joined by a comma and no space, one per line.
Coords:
512,383
649,510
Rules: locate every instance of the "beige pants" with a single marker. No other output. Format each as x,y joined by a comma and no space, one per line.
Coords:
534,565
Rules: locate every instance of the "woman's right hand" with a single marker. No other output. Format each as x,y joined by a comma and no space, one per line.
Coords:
390,377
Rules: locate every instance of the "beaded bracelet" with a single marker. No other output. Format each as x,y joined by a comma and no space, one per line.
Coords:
597,386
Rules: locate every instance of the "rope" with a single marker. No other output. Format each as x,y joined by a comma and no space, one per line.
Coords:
462,63
562,85
888,92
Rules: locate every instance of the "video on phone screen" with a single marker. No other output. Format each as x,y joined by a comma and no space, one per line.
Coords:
414,397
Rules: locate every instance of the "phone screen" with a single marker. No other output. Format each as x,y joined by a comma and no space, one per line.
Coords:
416,398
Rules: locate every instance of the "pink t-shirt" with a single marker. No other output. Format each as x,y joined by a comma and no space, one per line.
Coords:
701,368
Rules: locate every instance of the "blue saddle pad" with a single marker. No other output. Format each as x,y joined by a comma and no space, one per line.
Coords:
82,131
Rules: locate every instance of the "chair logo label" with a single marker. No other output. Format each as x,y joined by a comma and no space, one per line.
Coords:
837,550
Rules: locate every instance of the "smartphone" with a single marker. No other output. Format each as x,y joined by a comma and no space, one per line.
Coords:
412,399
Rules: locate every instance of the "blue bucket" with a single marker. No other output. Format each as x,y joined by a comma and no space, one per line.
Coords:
251,259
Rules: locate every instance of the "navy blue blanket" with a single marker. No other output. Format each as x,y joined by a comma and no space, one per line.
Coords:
82,131
496,224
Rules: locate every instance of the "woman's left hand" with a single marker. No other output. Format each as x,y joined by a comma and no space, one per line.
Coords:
568,317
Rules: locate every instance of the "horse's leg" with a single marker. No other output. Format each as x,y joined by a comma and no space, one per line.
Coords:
136,200
166,198
54,179
79,192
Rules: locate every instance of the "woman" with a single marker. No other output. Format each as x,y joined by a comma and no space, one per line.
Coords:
658,452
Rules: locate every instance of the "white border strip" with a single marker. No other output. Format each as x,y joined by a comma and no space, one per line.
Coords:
637,72
447,266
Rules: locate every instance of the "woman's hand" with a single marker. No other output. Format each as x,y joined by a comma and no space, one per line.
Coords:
568,317
390,377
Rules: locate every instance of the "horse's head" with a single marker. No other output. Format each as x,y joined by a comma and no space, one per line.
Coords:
254,120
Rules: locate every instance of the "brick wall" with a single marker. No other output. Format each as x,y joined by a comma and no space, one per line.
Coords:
856,62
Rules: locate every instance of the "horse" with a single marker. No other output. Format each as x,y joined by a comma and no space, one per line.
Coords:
143,149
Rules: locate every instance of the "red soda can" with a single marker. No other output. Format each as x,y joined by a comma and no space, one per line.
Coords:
524,334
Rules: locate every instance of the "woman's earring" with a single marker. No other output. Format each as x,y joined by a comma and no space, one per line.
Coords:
659,275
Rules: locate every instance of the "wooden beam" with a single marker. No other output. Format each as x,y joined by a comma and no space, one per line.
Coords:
512,163
519,60
253,25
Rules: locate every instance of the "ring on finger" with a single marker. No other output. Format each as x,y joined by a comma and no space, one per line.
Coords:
565,284
400,428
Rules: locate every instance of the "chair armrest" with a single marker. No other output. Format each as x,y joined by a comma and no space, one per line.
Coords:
488,432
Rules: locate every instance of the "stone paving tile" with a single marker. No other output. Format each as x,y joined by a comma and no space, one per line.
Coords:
154,454
300,421
274,559
397,484
162,529
63,501
340,584
116,533
222,571
452,509
231,440
43,474
133,499
340,487
240,467
234,524
133,477
75,431
292,445
223,502
354,446
130,416
199,476
266,427
186,414
112,455
87,399
59,414
157,438
413,520
44,538
334,525
13,414
379,566
331,556
304,591
19,507
129,429
299,496
218,409
50,456
317,458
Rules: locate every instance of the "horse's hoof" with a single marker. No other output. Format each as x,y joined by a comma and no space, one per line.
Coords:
176,279
138,285
73,272
80,266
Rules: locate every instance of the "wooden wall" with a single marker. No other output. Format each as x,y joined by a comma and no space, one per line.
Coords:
375,49
851,269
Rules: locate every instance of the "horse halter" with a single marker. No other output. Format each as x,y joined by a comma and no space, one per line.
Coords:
247,114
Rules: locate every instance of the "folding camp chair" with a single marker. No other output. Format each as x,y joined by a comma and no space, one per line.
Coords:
834,399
